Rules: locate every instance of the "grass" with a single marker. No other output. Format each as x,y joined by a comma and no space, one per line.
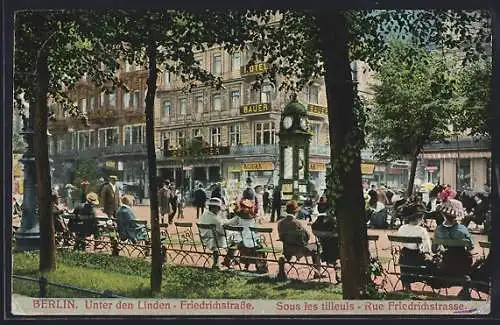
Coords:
130,278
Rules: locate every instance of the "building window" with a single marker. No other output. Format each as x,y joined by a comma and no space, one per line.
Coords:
215,137
92,103
167,109
265,133
108,137
464,174
315,129
126,99
135,99
196,133
216,64
51,147
134,134
102,99
86,139
313,95
216,103
83,105
236,61
234,135
235,99
166,78
180,138
183,106
199,104
60,145
112,100
165,140
265,94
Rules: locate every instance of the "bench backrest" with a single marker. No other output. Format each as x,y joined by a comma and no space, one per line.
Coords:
404,239
262,236
212,229
451,242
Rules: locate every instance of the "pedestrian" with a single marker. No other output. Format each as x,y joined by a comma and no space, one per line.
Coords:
266,199
200,199
84,191
180,204
173,203
164,200
259,199
110,197
276,204
249,194
141,193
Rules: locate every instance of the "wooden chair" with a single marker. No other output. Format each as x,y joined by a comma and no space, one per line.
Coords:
207,251
232,245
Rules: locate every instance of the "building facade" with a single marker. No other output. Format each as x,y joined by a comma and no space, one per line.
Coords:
239,126
114,139
463,163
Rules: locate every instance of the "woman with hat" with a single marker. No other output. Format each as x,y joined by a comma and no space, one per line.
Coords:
456,260
245,217
414,256
85,222
212,216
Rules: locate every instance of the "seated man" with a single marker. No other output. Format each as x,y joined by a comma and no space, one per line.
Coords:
295,238
85,222
212,216
126,226
413,255
324,227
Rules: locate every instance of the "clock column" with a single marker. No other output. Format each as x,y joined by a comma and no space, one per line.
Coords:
295,137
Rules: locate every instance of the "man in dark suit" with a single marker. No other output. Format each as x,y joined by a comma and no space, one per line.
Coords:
276,204
110,197
200,199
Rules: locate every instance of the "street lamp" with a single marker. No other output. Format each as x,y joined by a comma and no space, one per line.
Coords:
28,236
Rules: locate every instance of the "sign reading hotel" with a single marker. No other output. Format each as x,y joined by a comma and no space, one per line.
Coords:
316,109
255,108
258,165
253,69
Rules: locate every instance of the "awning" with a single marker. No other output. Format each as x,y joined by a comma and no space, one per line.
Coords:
455,155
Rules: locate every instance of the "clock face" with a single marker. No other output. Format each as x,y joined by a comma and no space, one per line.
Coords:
303,123
287,122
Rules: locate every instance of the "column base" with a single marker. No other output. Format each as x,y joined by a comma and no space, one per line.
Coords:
27,240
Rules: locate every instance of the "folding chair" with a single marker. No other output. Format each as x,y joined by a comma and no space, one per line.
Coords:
207,252
230,232
188,242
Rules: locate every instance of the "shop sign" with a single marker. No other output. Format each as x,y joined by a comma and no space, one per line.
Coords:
379,168
317,167
287,188
255,108
234,169
316,109
253,69
258,165
110,164
367,169
431,169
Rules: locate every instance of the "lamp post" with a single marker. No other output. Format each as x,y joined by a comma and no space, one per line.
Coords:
28,236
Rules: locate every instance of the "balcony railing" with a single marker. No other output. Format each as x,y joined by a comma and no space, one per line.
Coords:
114,150
245,149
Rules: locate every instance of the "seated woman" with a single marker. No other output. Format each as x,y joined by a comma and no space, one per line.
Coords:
413,255
456,261
378,211
85,222
126,226
244,217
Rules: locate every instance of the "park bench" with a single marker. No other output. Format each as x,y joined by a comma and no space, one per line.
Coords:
189,244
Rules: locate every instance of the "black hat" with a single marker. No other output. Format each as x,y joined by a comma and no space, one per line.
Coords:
412,211
249,180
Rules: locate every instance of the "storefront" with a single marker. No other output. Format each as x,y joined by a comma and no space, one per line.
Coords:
261,172
317,174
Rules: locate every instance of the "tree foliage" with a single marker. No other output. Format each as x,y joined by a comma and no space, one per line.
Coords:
412,101
473,98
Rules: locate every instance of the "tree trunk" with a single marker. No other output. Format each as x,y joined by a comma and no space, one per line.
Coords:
41,149
413,171
350,205
156,261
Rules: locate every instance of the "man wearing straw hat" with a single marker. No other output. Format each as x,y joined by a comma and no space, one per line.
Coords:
110,198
